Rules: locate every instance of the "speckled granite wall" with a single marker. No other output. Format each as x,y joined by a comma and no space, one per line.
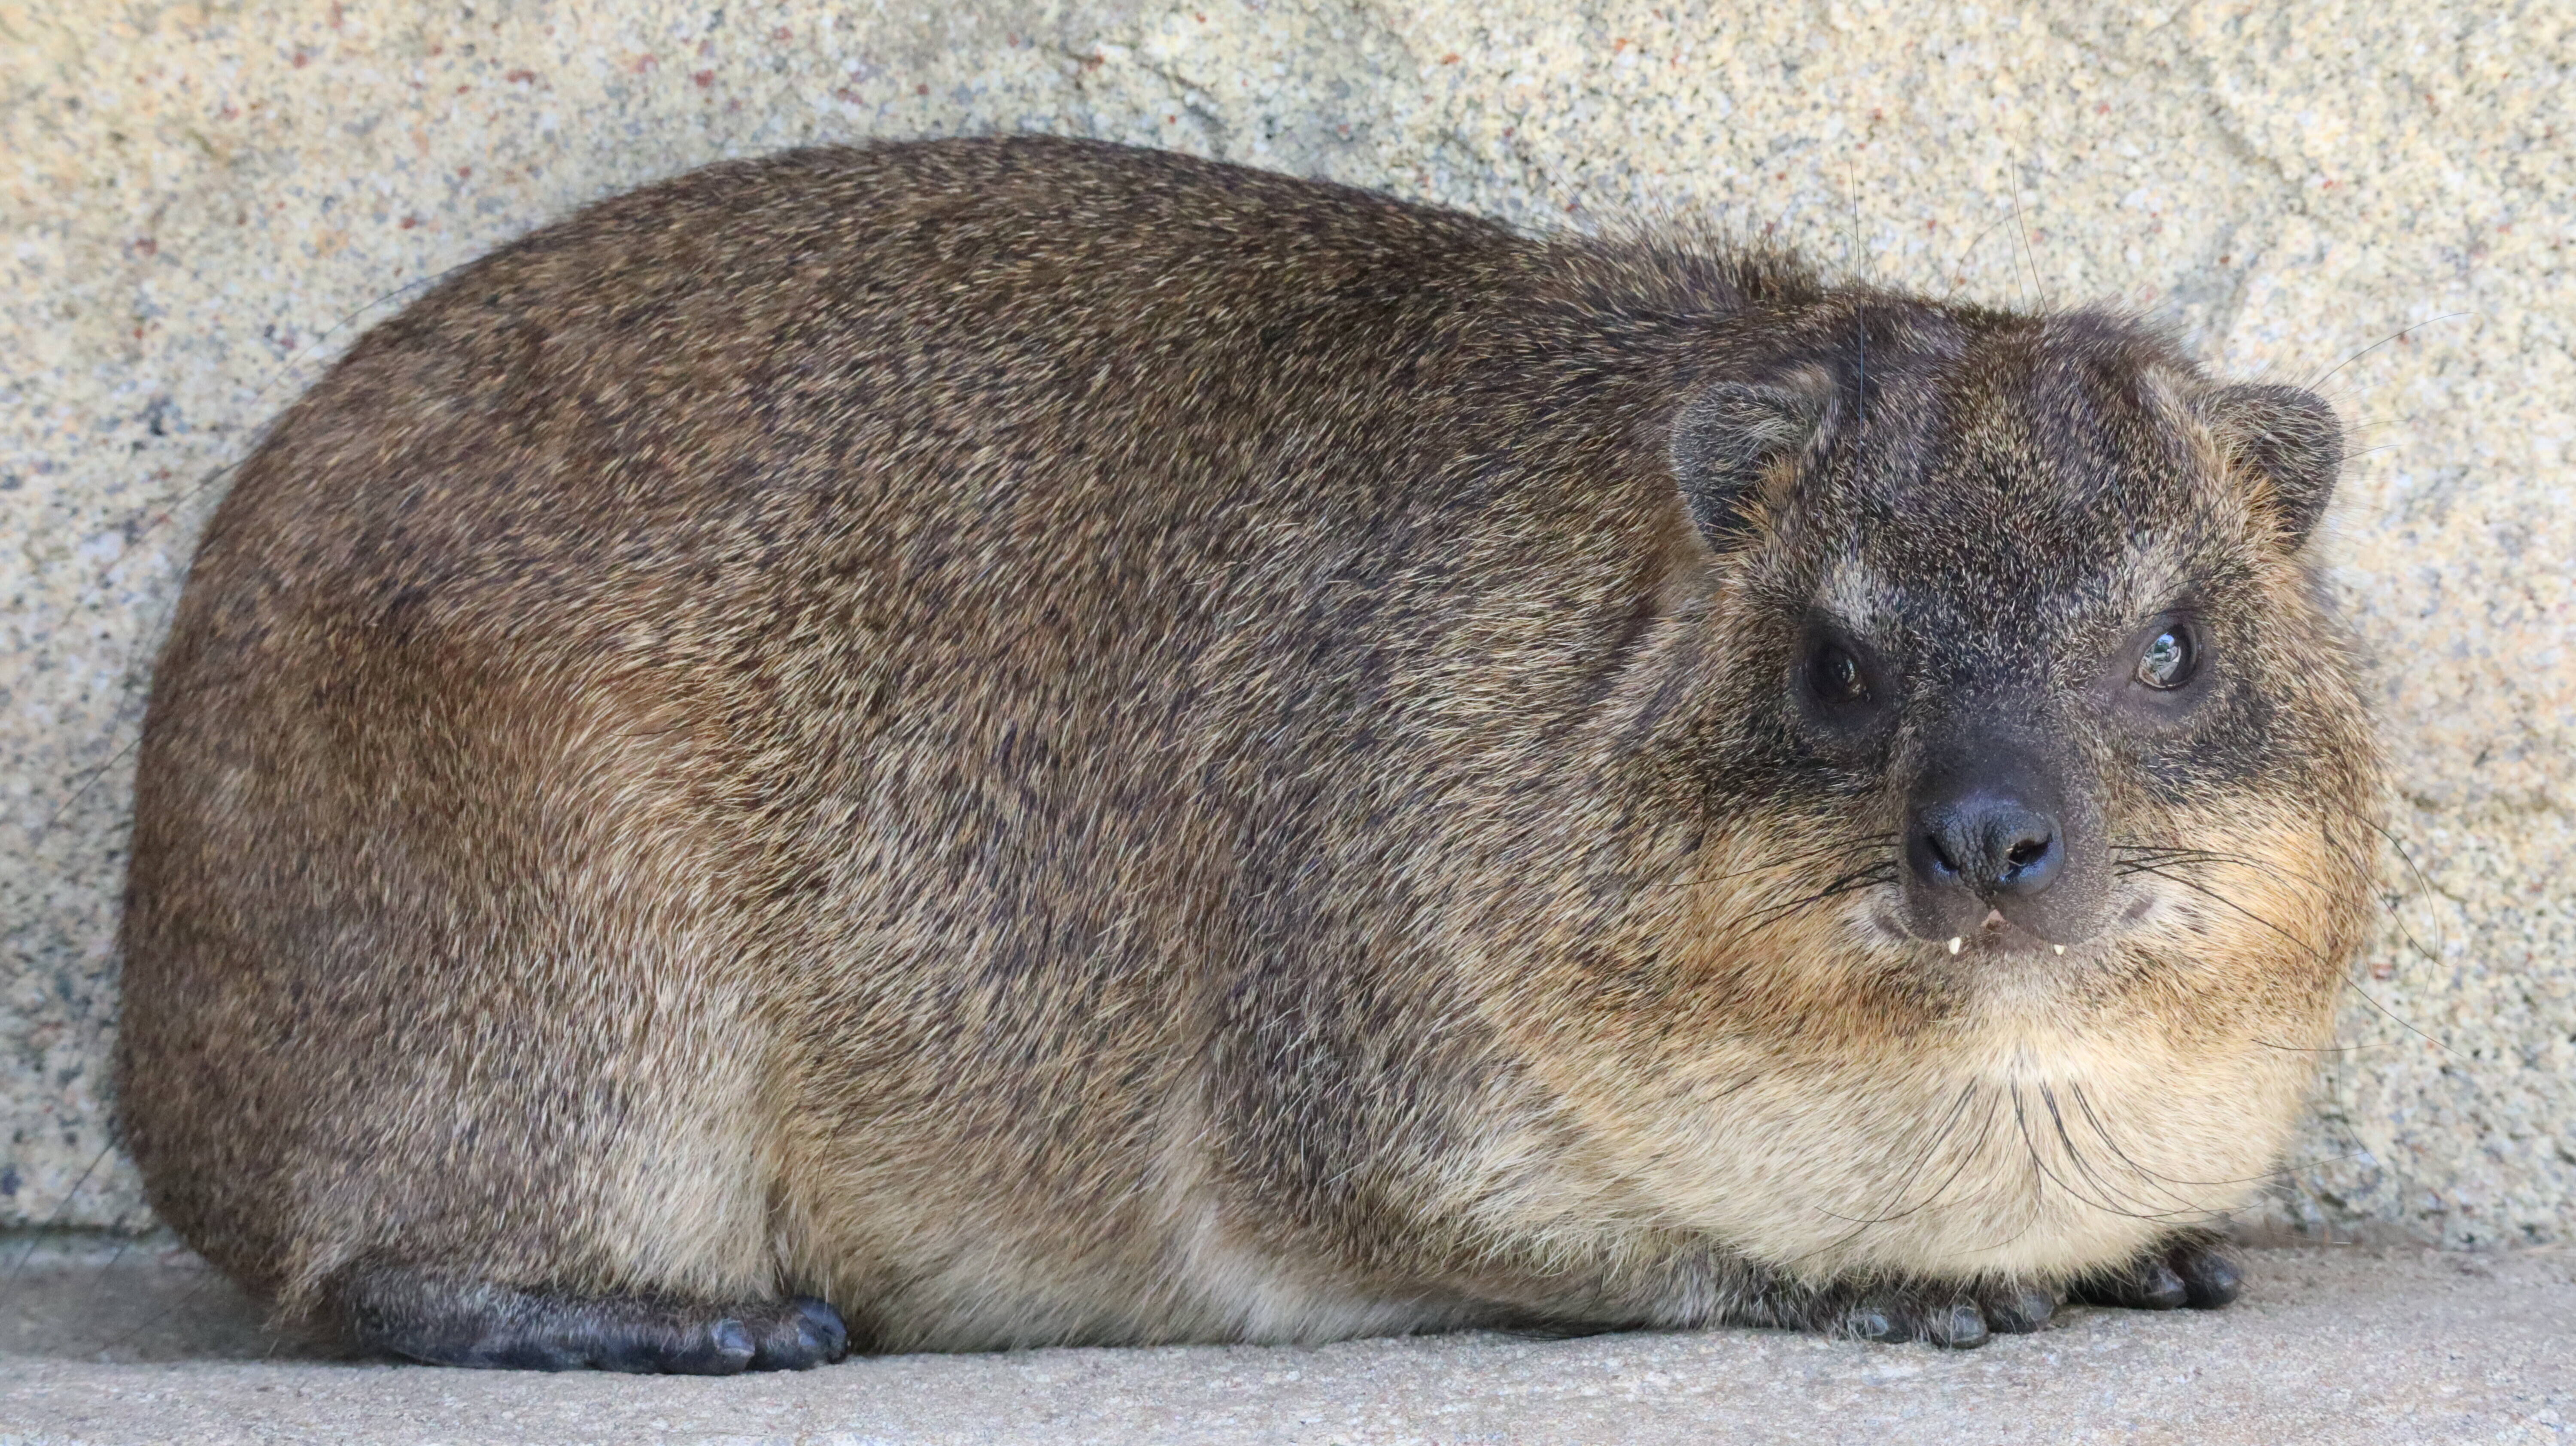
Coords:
203,204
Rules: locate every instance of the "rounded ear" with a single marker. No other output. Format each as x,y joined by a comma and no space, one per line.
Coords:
2286,437
1728,440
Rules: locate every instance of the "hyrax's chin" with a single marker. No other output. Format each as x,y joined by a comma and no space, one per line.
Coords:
2025,1149
2002,1110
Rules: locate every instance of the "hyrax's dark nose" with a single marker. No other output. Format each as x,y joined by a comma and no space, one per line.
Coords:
1993,844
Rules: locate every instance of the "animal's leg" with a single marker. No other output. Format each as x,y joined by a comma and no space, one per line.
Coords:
454,1320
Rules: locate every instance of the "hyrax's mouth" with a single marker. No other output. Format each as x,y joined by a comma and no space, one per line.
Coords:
1887,918
2001,935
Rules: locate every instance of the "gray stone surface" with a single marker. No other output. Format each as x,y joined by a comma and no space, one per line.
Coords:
2345,1346
205,202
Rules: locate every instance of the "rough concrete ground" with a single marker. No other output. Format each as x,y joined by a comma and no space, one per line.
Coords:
2338,1346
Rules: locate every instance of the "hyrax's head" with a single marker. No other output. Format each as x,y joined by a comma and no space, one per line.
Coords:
2030,603
2032,792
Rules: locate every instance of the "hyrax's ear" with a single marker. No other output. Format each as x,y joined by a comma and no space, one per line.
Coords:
1730,438
2285,437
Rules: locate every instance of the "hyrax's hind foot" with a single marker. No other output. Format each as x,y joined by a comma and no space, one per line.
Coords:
451,1320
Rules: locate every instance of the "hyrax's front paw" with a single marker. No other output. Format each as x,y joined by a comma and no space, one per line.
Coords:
2194,1270
1946,1315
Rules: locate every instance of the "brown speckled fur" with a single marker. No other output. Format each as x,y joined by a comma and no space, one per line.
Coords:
1052,743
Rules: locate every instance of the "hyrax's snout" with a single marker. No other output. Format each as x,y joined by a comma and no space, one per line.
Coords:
1993,848
1992,844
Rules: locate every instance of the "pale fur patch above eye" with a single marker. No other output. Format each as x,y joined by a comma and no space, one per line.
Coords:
2153,578
1859,599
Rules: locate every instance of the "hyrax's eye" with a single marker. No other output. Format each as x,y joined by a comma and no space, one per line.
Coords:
1834,675
2168,659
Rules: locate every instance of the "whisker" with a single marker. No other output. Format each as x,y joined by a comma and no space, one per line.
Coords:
2074,1155
1948,1123
2030,1146
2312,953
1801,861
2328,373
2422,881
88,782
1678,876
2086,1106
2130,859
2317,1048
1976,1147
1874,877
2350,857
176,1308
62,1211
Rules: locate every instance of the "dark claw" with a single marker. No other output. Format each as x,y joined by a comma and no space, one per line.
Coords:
2020,1310
2157,1287
725,1350
1959,1325
2147,1284
807,1333
1895,1317
2209,1278
1871,1323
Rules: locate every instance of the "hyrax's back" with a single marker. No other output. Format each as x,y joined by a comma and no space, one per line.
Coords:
724,733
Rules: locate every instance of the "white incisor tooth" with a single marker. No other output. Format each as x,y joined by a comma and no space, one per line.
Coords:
2060,948
1954,944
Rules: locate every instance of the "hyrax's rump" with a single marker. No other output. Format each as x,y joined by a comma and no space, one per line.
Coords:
1043,743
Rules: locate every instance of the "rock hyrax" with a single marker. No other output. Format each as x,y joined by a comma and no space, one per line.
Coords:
999,742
